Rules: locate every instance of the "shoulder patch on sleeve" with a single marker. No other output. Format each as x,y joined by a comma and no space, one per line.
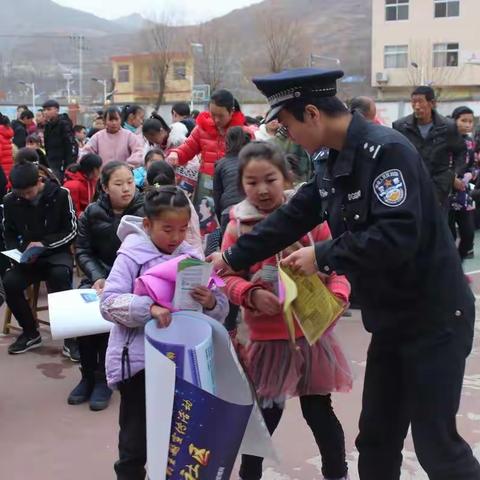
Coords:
390,188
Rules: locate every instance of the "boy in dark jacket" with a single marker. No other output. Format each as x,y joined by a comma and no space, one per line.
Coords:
58,138
20,128
37,213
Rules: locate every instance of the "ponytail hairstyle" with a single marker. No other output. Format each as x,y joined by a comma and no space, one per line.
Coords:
128,110
235,140
163,199
4,120
160,173
224,98
158,120
87,164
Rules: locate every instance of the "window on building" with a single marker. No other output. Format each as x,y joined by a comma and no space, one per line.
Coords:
396,10
179,70
123,73
447,8
445,55
396,56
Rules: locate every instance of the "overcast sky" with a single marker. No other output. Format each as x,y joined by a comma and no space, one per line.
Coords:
185,11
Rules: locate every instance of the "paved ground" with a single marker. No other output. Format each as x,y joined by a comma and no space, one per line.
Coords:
43,437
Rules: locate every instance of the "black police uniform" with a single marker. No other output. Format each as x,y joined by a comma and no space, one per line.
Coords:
391,241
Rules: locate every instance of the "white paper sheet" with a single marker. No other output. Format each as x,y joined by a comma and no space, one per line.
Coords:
76,313
231,384
14,254
160,385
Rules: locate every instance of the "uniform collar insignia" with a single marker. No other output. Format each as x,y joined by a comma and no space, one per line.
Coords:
341,163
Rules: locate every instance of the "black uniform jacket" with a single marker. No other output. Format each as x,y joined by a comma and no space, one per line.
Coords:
97,241
52,222
389,236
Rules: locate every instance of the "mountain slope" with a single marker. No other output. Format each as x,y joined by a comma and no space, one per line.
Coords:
46,16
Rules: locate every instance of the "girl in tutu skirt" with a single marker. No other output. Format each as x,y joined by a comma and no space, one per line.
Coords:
278,369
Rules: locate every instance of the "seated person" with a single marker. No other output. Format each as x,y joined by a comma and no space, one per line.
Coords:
81,181
37,213
34,142
140,173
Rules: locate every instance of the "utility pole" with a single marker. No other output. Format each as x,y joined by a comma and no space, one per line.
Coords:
79,41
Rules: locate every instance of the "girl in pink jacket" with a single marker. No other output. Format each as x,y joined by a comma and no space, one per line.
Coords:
115,142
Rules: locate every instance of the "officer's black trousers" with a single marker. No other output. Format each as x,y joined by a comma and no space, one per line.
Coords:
416,380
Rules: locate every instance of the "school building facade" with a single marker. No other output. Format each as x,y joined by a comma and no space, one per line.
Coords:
137,79
426,42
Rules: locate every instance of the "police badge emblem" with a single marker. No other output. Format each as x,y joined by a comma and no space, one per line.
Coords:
390,188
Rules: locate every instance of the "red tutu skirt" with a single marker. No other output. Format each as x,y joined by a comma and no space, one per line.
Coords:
280,370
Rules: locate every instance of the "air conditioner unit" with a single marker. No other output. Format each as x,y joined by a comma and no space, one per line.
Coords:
381,77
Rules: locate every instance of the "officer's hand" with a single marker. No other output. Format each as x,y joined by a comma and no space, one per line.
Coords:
302,261
219,264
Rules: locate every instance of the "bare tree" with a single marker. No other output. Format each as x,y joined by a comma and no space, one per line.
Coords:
283,41
215,56
158,37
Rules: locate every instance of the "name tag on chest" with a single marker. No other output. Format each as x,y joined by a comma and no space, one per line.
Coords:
351,197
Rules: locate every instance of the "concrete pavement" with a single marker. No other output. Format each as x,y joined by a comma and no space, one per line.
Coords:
43,437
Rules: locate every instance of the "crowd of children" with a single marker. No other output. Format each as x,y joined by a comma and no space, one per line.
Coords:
126,205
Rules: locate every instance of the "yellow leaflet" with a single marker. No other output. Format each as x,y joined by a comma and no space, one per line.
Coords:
315,307
290,293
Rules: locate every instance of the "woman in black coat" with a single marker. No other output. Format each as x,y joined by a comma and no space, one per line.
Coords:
96,248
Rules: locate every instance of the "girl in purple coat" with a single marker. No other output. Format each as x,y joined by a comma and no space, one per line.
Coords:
157,238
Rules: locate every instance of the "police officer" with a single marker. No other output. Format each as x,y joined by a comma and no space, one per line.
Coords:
391,241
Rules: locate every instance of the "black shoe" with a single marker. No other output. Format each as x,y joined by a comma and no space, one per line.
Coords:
470,255
24,343
82,392
70,349
100,397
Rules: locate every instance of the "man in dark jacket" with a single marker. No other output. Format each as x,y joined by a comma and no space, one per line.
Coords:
37,214
436,139
20,128
58,140
391,241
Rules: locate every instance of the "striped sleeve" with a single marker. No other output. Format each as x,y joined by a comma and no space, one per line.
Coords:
67,230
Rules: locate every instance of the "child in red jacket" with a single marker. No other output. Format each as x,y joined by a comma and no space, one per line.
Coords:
6,147
278,370
81,180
